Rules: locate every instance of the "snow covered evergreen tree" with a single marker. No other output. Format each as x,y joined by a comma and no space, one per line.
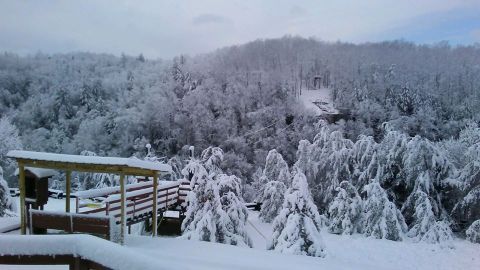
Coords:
426,167
473,232
330,162
345,211
467,209
7,205
272,200
276,169
233,205
207,219
212,158
9,140
296,229
425,228
381,218
364,158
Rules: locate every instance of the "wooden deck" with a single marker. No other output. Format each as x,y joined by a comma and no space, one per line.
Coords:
139,200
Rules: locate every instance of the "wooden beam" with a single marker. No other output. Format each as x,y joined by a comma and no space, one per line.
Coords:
68,176
23,216
154,205
122,210
84,167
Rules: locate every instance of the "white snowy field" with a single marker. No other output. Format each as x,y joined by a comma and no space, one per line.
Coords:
359,252
318,101
343,252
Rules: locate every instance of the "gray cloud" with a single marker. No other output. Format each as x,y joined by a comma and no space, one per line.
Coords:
210,19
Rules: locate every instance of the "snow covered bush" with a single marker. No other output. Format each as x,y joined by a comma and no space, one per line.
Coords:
425,228
7,205
381,218
473,232
296,229
345,211
272,200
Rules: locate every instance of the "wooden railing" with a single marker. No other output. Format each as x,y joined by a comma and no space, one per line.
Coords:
138,197
70,223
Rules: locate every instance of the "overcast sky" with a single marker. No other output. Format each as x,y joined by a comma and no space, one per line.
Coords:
165,28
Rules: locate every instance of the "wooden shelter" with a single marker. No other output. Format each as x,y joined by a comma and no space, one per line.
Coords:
68,163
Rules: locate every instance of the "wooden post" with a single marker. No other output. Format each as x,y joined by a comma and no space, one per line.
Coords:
154,206
23,216
122,210
68,175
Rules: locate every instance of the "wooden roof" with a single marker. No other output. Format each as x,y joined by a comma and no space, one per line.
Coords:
114,165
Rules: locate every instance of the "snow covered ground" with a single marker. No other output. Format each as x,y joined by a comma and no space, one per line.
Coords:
358,252
343,252
318,101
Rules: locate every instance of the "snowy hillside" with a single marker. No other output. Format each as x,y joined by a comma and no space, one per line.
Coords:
318,101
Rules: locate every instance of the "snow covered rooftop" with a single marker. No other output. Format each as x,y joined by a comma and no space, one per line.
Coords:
96,160
39,172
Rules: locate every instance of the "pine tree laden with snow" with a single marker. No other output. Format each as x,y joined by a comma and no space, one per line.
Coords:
212,158
233,205
296,230
467,209
272,200
234,223
382,219
276,169
9,140
211,217
473,232
345,211
7,205
425,228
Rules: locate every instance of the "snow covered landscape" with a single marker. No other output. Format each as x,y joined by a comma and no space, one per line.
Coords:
240,135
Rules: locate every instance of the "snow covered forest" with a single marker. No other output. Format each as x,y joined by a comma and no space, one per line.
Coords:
402,160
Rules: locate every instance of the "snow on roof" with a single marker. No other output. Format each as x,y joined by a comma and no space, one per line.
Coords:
39,172
129,162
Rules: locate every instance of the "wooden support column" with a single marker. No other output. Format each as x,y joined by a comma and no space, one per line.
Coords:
23,215
68,176
154,205
122,210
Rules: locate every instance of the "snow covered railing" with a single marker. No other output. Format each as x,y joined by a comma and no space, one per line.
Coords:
183,190
78,251
71,223
138,197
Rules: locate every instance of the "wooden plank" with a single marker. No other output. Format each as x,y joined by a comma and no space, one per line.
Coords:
68,175
122,210
23,215
154,205
53,222
87,228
